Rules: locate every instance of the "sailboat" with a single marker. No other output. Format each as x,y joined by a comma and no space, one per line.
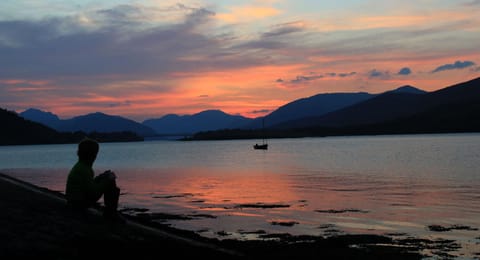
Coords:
263,145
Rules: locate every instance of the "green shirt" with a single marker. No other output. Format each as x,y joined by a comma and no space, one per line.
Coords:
81,187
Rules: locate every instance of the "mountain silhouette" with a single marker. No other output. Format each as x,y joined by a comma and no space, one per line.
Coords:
391,104
407,89
316,105
94,122
39,116
100,122
408,109
451,109
403,110
188,124
17,130
20,131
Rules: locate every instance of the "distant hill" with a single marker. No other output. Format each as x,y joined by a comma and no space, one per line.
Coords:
188,124
100,122
317,105
405,110
408,90
452,109
40,116
17,130
95,122
408,110
386,106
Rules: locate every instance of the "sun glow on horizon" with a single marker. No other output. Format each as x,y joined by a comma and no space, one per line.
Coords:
145,60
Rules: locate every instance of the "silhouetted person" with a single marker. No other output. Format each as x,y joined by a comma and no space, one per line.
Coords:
83,189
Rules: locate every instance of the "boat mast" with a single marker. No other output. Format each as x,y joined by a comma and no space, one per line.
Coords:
263,130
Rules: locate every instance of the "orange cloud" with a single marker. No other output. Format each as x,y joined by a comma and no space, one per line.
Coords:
247,13
24,82
464,20
237,91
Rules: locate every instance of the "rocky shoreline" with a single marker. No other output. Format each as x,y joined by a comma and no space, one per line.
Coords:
36,222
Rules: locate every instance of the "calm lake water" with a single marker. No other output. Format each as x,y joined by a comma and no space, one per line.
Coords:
394,185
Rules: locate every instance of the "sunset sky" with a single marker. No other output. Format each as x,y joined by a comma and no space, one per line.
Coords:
145,59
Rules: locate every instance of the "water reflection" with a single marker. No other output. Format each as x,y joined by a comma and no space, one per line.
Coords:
370,205
212,189
383,185
352,203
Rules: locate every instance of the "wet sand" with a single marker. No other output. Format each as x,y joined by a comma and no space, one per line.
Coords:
37,222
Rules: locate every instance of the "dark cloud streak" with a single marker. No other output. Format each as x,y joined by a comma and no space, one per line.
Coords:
377,74
312,76
302,79
284,29
343,75
405,71
454,66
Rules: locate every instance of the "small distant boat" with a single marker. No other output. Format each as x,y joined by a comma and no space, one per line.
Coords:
260,147
264,145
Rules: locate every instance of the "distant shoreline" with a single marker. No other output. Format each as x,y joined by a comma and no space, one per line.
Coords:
212,136
272,134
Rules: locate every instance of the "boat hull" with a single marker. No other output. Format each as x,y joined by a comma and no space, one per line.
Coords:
260,146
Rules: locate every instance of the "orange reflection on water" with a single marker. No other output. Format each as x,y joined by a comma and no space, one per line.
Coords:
211,186
354,202
230,187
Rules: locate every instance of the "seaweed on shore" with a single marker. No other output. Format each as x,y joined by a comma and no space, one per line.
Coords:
286,237
256,232
326,226
132,210
202,216
262,205
183,195
439,228
334,246
162,216
223,233
335,211
330,230
285,245
167,216
284,223
437,247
